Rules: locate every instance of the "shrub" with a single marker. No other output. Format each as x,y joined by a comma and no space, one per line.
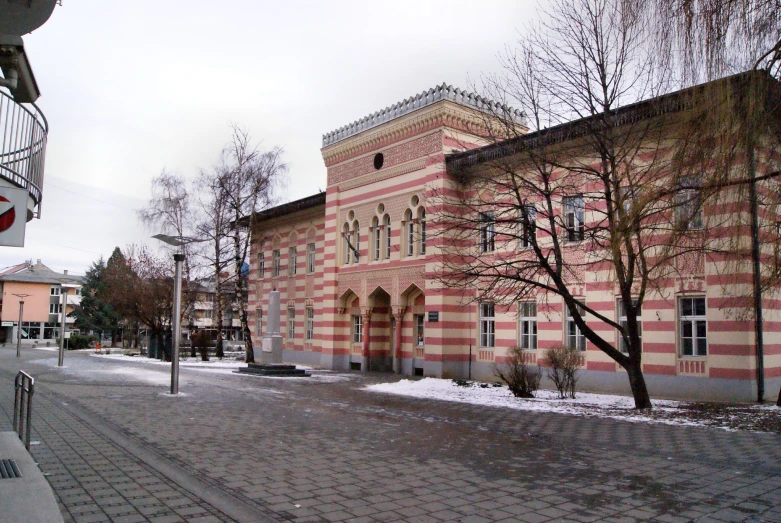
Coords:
201,342
462,383
80,341
522,380
563,364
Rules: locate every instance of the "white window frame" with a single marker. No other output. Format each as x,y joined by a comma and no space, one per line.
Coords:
574,217
420,330
574,338
311,250
346,240
688,208
276,261
487,232
623,322
357,243
377,242
387,237
261,265
422,231
310,324
487,325
527,325
54,290
694,320
528,226
357,327
410,235
291,323
292,256
57,308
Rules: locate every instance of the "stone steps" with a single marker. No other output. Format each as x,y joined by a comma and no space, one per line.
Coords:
274,369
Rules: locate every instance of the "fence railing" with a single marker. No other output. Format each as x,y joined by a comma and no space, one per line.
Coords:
23,135
23,406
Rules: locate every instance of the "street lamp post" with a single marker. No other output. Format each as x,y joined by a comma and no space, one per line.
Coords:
176,241
19,326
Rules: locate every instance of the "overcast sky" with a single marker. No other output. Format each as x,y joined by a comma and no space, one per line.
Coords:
131,88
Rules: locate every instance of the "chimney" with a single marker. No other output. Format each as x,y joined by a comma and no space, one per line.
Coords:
38,261
65,272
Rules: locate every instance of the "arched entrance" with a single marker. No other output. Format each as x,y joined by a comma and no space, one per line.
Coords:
380,349
413,341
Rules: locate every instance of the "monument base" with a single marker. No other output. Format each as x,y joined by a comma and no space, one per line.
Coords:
282,371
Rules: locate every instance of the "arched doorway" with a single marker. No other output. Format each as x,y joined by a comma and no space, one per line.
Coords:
380,350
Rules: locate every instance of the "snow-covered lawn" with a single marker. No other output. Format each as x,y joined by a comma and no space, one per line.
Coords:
764,418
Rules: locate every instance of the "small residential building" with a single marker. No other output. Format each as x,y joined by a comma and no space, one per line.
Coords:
41,289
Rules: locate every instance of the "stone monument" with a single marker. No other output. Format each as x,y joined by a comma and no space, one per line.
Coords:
268,354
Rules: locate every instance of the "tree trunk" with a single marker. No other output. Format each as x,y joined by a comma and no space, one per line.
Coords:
249,355
637,384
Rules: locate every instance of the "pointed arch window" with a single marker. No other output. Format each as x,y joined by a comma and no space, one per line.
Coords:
422,231
387,237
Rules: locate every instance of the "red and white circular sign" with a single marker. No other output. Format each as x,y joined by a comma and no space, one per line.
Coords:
7,214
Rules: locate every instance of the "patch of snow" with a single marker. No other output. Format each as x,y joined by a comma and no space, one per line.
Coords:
585,404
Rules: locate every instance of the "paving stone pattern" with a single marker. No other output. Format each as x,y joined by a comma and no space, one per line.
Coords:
315,451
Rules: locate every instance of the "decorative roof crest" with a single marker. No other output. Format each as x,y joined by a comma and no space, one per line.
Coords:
408,105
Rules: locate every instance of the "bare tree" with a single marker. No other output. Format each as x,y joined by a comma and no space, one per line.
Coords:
249,179
213,225
606,184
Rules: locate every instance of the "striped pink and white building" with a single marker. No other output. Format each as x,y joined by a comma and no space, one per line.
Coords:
357,273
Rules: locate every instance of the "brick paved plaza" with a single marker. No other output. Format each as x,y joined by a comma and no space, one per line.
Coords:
115,447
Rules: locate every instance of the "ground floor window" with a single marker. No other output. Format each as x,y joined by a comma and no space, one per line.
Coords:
487,325
693,326
291,323
419,332
575,338
310,323
259,322
51,330
357,328
527,325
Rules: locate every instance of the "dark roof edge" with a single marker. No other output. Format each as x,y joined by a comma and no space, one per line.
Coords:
303,204
664,104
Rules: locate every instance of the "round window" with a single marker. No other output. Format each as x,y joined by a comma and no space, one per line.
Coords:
350,215
380,208
379,159
415,201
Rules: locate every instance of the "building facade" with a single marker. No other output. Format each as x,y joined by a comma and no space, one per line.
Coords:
40,288
357,270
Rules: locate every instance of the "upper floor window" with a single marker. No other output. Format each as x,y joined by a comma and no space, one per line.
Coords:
575,338
410,224
387,237
348,250
356,242
54,290
528,226
422,229
527,325
291,261
693,326
259,323
261,265
574,215
487,325
310,258
55,308
376,239
622,320
688,205
275,263
487,231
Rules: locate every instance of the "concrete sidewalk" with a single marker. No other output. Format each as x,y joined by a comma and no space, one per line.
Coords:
242,448
27,497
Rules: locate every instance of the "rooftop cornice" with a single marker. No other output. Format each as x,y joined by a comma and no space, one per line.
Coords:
424,99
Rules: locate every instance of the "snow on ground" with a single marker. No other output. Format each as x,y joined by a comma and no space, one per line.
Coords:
225,366
747,417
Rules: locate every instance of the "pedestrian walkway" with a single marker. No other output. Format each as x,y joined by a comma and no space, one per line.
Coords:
312,451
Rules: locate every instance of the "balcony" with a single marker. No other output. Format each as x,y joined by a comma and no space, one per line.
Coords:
23,150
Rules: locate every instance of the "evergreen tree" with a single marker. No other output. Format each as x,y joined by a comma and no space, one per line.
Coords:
95,313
